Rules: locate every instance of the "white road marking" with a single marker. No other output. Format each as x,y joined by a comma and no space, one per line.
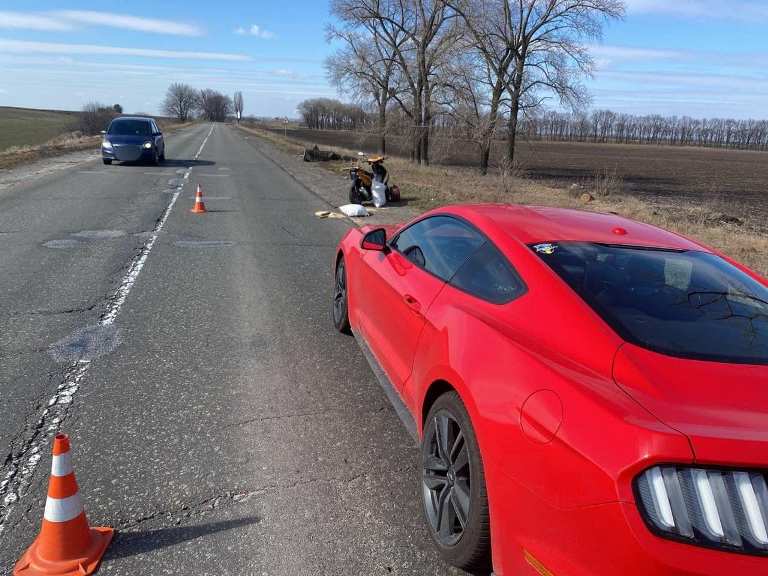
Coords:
16,480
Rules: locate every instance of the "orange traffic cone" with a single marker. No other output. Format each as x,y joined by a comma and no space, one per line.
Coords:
199,205
66,545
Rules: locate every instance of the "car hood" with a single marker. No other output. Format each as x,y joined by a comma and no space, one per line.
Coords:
721,408
127,139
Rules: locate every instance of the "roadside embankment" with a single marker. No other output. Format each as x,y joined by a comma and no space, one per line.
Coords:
424,187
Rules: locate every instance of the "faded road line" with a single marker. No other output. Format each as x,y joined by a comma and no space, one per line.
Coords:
17,471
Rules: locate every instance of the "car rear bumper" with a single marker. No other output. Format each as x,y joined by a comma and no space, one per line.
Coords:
602,540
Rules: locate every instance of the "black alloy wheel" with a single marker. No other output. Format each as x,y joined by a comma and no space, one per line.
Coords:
453,486
340,308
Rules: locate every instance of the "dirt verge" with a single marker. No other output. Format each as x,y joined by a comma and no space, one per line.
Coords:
744,238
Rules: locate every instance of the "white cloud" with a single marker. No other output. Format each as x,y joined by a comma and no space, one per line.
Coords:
127,22
33,22
628,53
24,47
255,30
743,10
67,20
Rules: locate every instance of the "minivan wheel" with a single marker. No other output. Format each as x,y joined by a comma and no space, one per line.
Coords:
453,486
106,161
340,308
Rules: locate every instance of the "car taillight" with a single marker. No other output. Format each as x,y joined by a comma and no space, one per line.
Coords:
717,508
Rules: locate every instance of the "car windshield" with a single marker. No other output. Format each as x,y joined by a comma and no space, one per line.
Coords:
130,128
682,303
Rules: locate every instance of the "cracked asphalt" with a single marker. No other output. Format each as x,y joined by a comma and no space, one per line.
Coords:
220,424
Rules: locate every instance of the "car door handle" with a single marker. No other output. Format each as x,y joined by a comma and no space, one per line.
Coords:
413,304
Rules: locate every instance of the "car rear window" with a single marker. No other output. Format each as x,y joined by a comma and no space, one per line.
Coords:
130,128
681,303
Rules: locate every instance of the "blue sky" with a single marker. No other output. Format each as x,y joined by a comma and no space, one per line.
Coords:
695,57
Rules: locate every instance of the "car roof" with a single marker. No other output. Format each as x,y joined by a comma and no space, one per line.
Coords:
119,118
535,224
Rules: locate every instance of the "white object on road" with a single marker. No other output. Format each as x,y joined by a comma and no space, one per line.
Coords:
379,193
354,210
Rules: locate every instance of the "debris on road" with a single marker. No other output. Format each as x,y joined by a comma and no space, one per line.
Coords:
314,154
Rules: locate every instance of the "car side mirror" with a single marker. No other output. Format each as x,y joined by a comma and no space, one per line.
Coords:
375,240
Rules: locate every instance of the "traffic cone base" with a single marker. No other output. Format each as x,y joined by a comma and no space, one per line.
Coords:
66,545
34,564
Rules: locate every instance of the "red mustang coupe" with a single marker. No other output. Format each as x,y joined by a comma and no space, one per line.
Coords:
590,392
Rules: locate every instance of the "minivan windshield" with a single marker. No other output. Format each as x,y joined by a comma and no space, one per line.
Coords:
130,128
682,303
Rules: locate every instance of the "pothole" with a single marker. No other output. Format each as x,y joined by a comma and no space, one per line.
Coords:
62,244
86,344
202,243
99,234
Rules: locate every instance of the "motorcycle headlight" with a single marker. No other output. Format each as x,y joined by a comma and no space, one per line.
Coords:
106,144
716,508
147,145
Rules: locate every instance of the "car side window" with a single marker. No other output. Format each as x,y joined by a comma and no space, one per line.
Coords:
155,129
489,276
439,244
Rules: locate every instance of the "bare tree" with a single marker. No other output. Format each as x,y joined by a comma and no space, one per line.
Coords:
549,38
489,38
94,118
328,114
180,101
365,67
214,106
420,35
238,104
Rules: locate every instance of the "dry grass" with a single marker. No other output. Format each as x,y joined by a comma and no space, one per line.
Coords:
425,187
62,144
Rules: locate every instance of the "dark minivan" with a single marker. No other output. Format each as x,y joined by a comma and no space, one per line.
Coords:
132,139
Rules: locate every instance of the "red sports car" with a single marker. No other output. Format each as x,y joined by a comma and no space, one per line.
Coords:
590,392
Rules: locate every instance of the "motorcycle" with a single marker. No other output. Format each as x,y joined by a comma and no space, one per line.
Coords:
364,183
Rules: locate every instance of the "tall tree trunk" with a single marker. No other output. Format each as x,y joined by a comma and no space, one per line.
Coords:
485,153
512,129
383,128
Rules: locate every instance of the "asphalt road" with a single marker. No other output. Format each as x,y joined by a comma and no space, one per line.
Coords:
218,421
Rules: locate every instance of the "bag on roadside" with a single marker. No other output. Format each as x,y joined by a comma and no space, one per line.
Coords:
353,210
379,193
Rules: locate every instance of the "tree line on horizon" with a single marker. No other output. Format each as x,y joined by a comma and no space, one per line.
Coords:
183,102
598,126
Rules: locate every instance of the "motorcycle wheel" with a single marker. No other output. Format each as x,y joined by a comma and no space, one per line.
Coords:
354,195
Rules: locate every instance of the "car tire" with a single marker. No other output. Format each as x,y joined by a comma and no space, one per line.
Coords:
452,483
162,156
106,161
155,158
340,302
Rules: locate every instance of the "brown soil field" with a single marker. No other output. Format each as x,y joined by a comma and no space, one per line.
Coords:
732,181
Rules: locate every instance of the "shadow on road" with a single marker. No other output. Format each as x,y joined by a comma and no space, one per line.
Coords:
132,543
180,163
171,163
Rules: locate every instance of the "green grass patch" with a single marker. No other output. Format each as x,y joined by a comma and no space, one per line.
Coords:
27,127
